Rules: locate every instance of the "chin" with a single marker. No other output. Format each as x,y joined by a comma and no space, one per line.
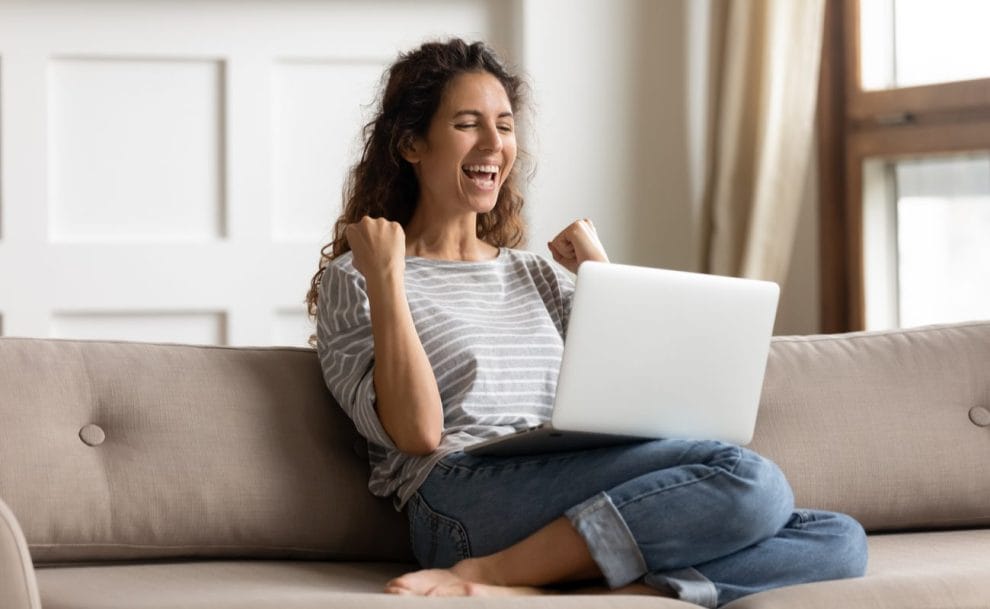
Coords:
483,207
487,208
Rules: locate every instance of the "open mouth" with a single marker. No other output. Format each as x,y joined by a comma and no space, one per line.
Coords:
483,176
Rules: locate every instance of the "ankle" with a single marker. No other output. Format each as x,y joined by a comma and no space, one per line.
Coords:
479,570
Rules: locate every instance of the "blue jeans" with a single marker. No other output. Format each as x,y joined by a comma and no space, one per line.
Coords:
712,521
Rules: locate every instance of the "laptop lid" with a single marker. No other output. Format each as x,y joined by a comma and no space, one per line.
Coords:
664,354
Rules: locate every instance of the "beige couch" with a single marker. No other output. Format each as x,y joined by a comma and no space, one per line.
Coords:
164,476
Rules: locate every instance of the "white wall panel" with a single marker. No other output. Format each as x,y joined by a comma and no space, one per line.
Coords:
200,328
135,149
319,107
172,168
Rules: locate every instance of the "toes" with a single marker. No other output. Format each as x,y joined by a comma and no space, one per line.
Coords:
422,583
399,582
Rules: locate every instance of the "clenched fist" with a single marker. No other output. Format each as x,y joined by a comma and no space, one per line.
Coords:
379,247
577,243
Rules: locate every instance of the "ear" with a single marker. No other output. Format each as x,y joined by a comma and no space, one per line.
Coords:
411,148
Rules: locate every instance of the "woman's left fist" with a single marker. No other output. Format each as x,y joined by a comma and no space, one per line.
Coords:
577,243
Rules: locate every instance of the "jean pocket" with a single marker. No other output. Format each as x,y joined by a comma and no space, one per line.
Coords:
438,541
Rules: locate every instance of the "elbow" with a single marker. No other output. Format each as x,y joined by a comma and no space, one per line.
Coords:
419,445
413,433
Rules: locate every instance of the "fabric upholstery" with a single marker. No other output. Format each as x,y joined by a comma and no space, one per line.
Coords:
275,585
205,451
116,450
906,571
18,586
878,424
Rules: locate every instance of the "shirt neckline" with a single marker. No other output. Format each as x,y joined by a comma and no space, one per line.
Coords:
458,263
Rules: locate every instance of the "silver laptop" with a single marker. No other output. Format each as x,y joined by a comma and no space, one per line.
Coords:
652,353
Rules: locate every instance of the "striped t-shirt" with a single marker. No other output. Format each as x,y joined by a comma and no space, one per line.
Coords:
493,331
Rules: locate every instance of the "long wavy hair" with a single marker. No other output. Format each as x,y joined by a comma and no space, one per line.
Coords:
382,184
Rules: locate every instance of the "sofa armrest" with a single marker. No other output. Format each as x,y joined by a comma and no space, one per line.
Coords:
18,586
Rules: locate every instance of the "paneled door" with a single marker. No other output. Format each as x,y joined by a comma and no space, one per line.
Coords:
169,170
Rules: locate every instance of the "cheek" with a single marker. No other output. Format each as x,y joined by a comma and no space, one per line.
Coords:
510,150
510,158
442,172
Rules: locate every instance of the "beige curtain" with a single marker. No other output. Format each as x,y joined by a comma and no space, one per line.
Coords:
765,58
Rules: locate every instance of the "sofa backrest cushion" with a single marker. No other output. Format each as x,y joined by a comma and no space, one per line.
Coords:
892,427
117,450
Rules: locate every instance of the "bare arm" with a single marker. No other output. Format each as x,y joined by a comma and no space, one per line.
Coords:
408,402
407,398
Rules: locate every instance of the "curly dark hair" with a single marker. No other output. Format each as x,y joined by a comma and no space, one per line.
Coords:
382,184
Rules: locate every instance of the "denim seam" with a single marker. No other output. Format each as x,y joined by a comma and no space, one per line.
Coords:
462,541
718,471
804,517
409,518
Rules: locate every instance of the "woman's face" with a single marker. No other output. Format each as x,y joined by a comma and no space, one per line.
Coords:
470,147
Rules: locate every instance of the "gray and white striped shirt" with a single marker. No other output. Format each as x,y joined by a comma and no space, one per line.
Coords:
493,331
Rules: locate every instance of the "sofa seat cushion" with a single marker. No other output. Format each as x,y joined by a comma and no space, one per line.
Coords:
272,585
906,571
949,569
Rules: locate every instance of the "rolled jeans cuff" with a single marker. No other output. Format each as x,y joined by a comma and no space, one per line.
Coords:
689,583
610,542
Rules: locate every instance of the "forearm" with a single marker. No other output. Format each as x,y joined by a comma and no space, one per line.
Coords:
408,403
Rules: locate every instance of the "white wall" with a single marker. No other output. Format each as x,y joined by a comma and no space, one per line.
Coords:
620,99
171,169
610,82
623,94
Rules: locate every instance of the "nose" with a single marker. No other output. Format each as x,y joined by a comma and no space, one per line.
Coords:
490,139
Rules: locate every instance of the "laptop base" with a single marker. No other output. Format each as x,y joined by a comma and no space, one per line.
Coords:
545,439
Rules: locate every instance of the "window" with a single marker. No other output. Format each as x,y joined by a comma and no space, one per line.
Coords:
906,43
926,237
904,125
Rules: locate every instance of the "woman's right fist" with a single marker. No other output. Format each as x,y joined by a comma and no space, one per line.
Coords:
379,246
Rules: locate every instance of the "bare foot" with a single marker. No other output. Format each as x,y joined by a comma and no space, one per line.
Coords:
444,582
475,589
422,582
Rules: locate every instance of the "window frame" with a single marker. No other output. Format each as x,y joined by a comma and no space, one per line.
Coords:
856,125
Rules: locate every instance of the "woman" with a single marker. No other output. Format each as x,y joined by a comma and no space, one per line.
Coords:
434,333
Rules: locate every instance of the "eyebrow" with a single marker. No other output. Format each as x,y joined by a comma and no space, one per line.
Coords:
478,113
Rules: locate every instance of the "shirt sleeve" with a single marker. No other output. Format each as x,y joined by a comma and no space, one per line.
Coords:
346,349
